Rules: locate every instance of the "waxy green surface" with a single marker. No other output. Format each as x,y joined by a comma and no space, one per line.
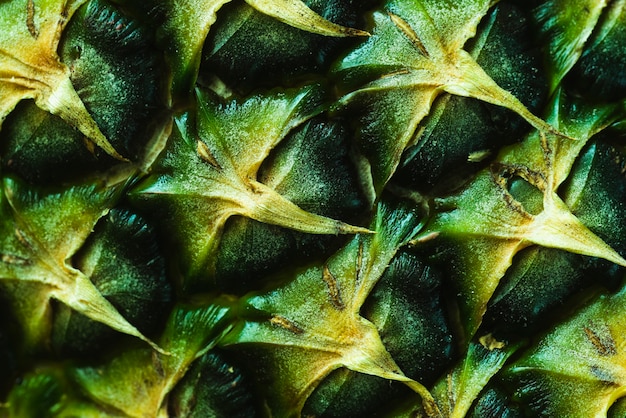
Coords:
209,172
30,67
297,333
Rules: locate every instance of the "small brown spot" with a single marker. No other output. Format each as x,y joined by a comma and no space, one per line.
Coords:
425,238
13,259
281,321
21,238
395,73
157,364
334,292
89,144
205,153
410,34
30,19
450,392
548,154
603,342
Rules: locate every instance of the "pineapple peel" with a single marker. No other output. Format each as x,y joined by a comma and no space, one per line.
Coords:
30,67
594,376
415,55
313,323
188,23
209,171
190,332
472,152
36,248
457,391
514,204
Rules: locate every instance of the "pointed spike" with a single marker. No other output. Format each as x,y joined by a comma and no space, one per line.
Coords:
85,298
64,102
371,357
297,14
270,207
475,82
557,227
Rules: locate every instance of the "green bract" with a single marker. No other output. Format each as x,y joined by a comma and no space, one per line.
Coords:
412,68
208,173
566,30
115,70
325,331
30,66
36,250
486,233
593,378
186,24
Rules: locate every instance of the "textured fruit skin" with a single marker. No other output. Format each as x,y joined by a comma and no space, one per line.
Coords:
284,208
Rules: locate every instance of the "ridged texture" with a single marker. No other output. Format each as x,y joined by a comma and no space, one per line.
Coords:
307,208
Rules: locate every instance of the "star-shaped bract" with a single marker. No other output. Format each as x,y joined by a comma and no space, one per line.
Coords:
30,67
486,225
208,172
39,234
188,22
414,55
312,325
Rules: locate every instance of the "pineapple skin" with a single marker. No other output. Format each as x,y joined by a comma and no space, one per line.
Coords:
341,208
